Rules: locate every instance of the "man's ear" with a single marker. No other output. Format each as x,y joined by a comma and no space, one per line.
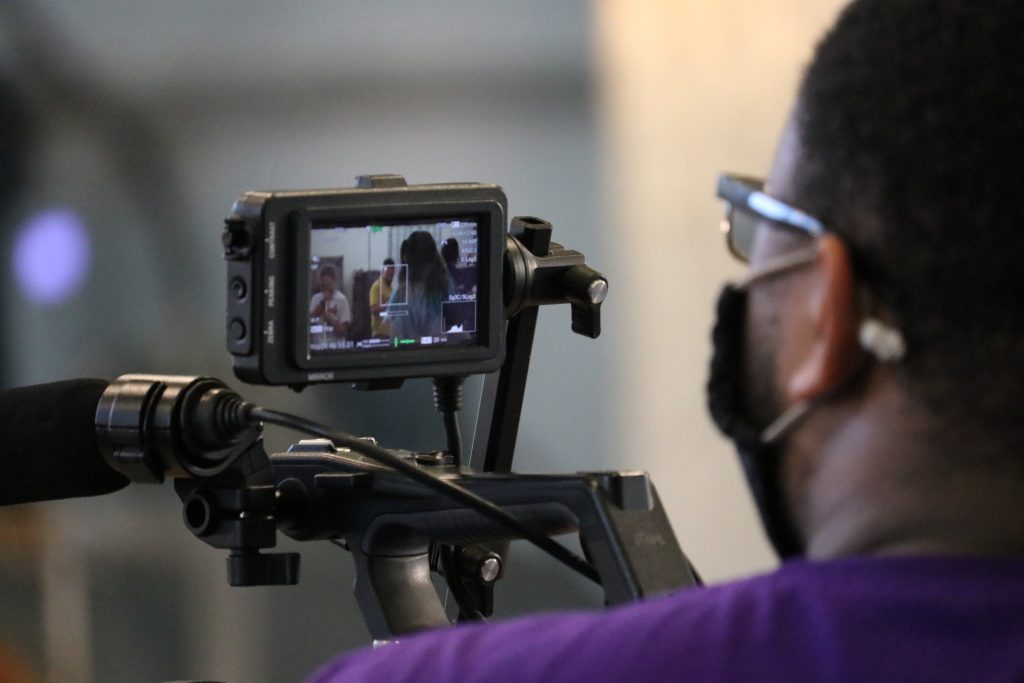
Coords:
833,353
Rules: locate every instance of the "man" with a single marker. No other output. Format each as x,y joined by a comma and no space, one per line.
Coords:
330,305
870,368
380,294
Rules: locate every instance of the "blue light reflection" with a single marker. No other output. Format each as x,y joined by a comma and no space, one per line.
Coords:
51,257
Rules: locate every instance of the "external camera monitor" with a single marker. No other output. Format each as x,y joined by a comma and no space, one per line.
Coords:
360,284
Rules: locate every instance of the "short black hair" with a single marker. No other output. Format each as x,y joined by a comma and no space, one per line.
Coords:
389,261
911,124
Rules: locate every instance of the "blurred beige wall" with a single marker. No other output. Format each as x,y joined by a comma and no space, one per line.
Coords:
687,88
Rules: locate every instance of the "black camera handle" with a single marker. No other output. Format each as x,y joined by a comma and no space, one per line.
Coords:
389,523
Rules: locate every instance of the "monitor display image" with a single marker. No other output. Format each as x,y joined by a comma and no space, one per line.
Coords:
393,286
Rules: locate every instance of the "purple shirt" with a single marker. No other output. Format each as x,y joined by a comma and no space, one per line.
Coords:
860,619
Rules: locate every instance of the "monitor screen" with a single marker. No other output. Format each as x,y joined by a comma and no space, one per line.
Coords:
393,286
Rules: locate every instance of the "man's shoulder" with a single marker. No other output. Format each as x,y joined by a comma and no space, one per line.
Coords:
805,620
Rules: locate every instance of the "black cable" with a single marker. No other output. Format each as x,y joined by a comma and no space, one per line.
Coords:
453,491
454,435
448,401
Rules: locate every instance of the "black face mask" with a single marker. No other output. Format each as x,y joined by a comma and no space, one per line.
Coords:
760,459
759,446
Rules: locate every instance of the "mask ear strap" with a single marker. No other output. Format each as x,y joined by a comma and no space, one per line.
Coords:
782,425
777,265
884,342
772,267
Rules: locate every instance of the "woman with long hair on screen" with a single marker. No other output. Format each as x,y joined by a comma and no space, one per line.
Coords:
423,292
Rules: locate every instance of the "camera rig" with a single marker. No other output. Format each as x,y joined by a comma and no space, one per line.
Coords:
401,514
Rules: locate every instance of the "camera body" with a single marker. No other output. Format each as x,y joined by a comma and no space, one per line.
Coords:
309,296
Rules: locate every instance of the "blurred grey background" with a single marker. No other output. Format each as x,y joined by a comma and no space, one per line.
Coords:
129,128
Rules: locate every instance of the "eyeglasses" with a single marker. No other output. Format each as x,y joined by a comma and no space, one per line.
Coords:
747,205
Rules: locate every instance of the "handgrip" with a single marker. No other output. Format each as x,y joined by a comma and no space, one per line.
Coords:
408,533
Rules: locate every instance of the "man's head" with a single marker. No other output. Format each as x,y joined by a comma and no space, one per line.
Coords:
388,271
328,280
910,124
903,143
